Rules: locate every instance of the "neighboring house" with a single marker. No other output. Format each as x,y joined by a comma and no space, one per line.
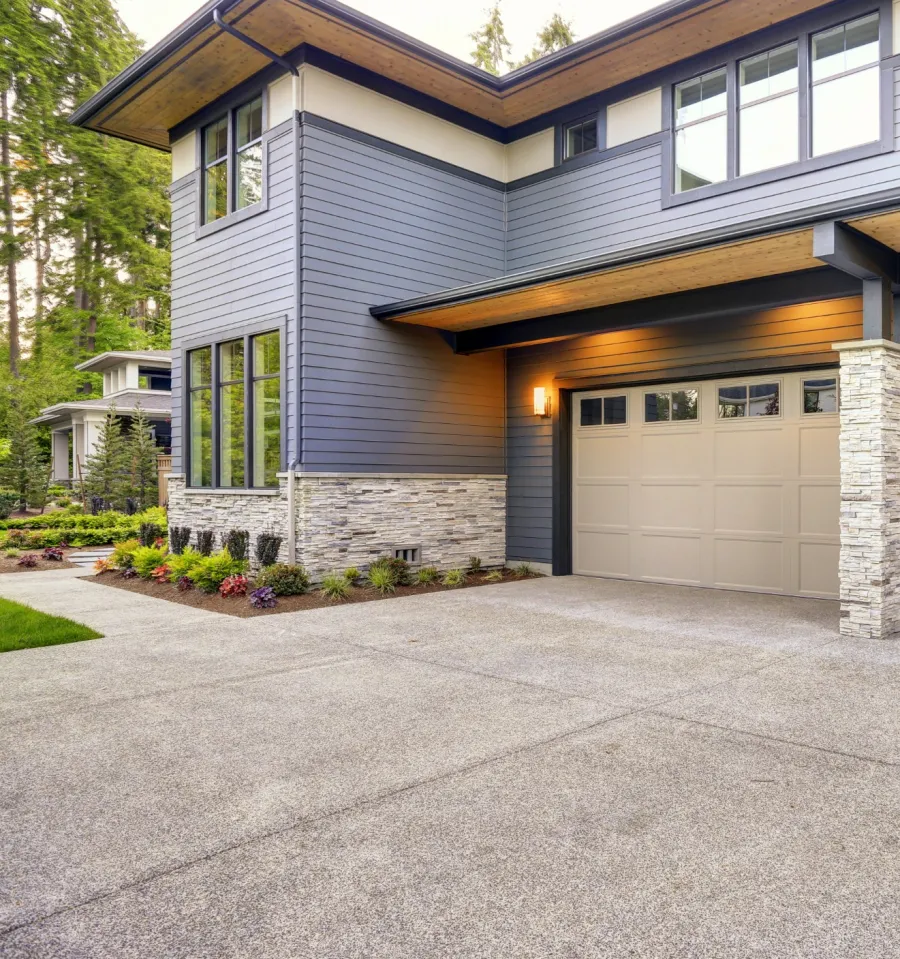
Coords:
130,379
590,314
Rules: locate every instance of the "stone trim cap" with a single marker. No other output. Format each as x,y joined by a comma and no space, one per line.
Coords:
849,345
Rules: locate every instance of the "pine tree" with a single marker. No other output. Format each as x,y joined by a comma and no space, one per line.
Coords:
106,472
555,35
142,459
24,471
491,46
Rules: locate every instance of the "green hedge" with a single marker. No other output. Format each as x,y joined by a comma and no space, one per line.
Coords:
62,519
75,532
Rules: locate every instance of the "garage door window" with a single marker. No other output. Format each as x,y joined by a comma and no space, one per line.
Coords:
671,406
820,396
604,411
761,399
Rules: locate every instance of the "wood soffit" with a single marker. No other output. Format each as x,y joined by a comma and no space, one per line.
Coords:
210,62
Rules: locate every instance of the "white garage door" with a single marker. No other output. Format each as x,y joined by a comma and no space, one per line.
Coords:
731,484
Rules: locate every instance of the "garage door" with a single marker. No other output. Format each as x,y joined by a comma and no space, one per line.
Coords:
731,484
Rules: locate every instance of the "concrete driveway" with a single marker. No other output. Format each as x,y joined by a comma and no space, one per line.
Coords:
554,768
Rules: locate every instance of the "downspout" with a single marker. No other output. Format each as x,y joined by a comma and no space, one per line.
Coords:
258,47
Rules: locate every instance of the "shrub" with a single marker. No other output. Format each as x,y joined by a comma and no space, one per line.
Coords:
149,533
454,578
8,502
263,598
12,553
19,537
352,575
381,578
129,573
161,573
494,576
211,571
179,537
123,553
399,569
206,540
56,490
335,586
234,586
131,506
63,501
237,542
285,579
427,575
102,566
29,561
474,564
180,564
267,547
146,559
524,569
53,553
184,584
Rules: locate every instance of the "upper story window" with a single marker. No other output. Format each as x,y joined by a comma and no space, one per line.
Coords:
232,161
845,81
769,103
579,138
785,114
701,131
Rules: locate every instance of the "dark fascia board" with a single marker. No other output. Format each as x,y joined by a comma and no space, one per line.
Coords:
883,201
715,302
203,19
854,253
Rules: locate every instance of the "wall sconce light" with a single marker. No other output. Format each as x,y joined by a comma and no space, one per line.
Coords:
541,401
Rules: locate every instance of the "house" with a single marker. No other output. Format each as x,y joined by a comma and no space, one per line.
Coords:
626,311
142,377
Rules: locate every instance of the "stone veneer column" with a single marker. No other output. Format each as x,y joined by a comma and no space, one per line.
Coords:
870,489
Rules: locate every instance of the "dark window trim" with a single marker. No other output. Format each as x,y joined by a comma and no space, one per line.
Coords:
233,215
247,333
806,163
562,129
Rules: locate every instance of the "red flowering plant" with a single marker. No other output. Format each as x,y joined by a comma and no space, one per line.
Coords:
161,574
234,586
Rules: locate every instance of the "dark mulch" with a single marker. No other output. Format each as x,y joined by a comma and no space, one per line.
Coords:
240,605
8,565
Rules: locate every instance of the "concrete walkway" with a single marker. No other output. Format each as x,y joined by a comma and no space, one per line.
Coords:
553,768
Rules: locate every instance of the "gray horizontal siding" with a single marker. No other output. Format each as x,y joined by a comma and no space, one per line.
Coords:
237,277
376,396
792,331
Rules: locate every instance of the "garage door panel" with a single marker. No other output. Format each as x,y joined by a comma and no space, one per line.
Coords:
603,505
749,509
750,502
749,564
746,451
671,454
670,506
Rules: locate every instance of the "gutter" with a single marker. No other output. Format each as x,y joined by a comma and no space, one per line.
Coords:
516,282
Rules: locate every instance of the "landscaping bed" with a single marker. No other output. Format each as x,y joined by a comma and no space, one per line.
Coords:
12,564
238,605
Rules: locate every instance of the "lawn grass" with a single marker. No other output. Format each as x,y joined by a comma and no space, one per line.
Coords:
22,627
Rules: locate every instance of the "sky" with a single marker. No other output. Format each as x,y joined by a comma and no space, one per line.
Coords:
445,25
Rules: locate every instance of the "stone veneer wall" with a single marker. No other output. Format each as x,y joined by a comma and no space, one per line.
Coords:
349,520
870,489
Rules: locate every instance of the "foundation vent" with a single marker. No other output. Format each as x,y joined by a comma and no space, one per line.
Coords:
408,553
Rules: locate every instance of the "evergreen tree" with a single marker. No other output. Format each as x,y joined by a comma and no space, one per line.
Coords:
491,46
24,470
555,35
106,472
142,458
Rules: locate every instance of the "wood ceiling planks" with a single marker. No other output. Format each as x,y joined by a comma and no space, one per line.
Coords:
884,227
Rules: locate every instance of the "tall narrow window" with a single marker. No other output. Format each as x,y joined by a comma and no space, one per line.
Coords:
845,93
215,170
248,146
231,413
701,131
200,412
769,110
266,409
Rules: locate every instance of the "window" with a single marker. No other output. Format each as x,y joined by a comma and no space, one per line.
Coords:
701,131
820,396
266,409
845,93
604,411
671,406
769,128
741,401
150,379
231,413
200,416
580,138
240,419
233,161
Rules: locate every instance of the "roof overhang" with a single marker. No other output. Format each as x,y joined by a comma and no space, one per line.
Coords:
199,62
105,361
632,276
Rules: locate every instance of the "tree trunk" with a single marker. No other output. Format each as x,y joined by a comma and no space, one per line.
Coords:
10,240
